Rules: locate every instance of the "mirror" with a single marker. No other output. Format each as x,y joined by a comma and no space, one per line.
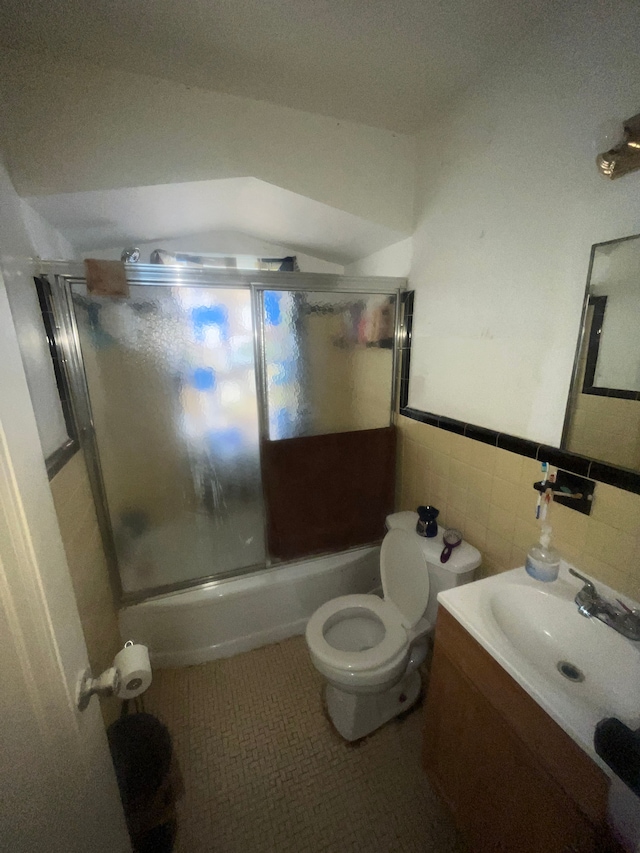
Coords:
603,415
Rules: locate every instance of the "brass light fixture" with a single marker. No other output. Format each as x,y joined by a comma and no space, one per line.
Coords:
624,157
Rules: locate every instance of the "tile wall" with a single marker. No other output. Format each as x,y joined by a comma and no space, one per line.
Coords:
487,493
88,567
606,426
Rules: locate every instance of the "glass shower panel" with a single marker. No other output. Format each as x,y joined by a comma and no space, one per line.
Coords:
171,380
328,361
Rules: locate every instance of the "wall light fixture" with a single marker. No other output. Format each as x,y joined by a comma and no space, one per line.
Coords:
625,156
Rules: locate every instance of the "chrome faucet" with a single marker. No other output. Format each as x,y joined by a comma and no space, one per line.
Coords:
622,619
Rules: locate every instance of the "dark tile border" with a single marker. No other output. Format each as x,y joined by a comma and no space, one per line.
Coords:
576,464
619,477
522,446
486,436
564,459
451,425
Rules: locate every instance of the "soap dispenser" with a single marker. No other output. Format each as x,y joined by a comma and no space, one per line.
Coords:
543,561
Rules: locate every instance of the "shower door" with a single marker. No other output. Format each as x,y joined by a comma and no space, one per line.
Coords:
170,376
230,420
328,449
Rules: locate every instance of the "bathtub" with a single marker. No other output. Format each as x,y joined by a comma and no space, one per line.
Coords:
223,618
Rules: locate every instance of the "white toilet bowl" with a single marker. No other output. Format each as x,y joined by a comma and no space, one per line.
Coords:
358,642
369,649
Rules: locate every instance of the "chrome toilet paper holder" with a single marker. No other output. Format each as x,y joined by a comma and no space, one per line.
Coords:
105,684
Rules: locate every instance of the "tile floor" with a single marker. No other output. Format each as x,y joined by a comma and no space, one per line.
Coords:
265,771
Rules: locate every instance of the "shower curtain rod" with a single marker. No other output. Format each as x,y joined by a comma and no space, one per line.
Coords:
175,276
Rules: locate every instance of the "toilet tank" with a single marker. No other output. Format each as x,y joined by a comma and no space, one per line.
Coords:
459,568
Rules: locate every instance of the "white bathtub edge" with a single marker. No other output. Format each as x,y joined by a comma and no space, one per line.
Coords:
192,657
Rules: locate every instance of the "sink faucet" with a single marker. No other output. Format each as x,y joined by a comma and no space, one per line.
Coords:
622,619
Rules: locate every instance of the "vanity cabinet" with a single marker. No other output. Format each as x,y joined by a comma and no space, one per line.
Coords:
514,780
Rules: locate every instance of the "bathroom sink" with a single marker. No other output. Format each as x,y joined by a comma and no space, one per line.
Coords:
582,656
578,669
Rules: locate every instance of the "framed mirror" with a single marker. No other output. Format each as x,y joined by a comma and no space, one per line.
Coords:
603,413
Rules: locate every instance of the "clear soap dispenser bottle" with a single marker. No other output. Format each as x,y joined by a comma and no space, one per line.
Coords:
543,561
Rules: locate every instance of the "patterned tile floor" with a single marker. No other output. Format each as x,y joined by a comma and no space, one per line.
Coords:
265,771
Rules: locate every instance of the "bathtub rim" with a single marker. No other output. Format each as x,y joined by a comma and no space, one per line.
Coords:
187,604
159,596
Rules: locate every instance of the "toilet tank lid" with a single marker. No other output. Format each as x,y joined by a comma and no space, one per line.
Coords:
463,559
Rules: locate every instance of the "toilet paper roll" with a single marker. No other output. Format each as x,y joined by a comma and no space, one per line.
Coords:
135,670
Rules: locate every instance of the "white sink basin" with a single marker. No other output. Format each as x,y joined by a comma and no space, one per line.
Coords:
534,631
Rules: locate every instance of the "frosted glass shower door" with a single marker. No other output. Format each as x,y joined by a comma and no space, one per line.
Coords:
171,382
328,361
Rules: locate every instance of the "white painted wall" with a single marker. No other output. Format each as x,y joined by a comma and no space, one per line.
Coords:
508,206
46,241
23,235
221,242
394,260
69,128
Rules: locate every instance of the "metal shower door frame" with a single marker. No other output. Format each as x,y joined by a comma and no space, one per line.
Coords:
61,277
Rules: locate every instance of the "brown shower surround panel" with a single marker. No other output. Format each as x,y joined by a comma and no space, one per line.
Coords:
328,492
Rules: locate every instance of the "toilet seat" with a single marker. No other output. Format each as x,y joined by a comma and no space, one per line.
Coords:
392,645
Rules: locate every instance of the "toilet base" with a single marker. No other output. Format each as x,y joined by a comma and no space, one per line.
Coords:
358,714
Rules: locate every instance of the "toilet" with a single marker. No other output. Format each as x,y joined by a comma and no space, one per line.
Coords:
369,648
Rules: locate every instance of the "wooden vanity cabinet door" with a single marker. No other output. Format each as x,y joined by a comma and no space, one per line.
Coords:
501,798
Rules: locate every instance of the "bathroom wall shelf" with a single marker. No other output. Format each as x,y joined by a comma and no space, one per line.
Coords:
570,490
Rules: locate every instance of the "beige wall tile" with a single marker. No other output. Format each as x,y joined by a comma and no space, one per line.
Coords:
489,567
498,549
610,545
478,509
525,534
440,464
459,448
410,455
475,533
456,518
414,430
488,494
457,498
617,508
530,472
480,483
518,557
459,473
631,586
425,434
604,572
504,494
569,526
482,456
438,493
524,502
508,466
423,482
605,499
501,521
440,440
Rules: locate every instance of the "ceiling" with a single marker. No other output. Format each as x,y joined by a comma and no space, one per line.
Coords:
386,63
107,218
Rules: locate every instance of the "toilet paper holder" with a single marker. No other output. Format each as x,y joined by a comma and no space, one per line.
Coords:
129,676
105,684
